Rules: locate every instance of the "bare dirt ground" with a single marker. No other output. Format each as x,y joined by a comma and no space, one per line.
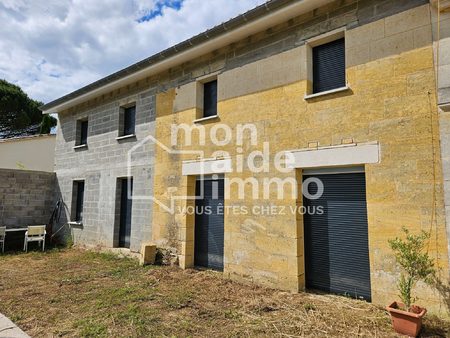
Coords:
75,293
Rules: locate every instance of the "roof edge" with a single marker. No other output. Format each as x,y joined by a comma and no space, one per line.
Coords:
266,15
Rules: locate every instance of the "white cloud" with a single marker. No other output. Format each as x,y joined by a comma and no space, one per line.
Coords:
53,47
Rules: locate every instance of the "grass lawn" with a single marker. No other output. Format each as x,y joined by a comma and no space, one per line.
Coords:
75,293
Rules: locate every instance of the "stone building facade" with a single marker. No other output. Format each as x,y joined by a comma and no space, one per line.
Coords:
106,158
383,123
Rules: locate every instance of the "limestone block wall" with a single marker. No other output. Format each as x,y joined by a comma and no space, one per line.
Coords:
26,197
104,161
391,101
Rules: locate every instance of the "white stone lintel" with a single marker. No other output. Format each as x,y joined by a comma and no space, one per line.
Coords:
207,167
342,155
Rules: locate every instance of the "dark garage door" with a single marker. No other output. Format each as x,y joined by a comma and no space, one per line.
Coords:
209,230
336,242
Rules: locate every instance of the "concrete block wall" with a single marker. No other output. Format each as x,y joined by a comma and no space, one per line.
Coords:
441,41
104,161
444,124
26,197
441,38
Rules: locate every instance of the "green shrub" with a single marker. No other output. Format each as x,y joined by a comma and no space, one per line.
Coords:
415,262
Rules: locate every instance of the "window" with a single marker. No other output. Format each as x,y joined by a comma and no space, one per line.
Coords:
124,206
129,120
329,66
210,98
77,201
82,132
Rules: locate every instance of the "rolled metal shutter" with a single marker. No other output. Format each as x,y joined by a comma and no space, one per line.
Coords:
336,242
210,98
329,66
129,121
209,225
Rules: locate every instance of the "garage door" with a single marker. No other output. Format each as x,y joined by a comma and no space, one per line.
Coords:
336,241
209,224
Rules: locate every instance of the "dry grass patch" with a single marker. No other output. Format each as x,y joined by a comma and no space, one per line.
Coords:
75,293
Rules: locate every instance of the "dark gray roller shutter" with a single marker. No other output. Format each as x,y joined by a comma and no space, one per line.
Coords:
129,121
329,66
210,98
125,213
209,225
80,201
336,242
84,132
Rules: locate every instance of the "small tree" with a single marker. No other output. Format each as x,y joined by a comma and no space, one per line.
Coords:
416,264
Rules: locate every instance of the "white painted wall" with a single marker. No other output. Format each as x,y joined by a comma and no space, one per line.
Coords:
28,153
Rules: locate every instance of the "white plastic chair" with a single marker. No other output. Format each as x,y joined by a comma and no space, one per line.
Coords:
3,237
35,233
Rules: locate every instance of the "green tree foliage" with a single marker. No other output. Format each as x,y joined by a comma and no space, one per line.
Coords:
47,123
20,115
415,262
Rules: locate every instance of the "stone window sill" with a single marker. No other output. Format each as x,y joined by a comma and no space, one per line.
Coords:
125,137
73,223
208,118
328,92
81,146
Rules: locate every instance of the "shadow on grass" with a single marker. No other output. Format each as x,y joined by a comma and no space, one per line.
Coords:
434,327
35,249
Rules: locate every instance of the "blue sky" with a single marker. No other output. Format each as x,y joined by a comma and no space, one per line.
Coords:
158,9
52,47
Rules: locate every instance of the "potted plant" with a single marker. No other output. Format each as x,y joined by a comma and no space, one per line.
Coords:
417,266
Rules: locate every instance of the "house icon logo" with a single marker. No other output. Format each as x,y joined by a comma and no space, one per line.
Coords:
133,158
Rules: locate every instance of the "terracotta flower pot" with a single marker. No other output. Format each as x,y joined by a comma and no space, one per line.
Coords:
404,322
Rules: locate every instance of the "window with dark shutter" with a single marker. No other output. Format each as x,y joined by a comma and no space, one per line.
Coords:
210,99
79,192
83,132
129,121
329,66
